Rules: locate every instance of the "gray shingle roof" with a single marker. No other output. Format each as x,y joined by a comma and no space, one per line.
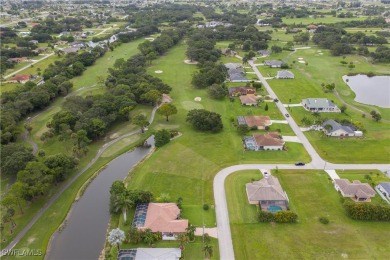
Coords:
273,62
283,74
385,186
318,103
336,126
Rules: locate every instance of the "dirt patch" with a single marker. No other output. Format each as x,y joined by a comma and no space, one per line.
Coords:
114,135
190,62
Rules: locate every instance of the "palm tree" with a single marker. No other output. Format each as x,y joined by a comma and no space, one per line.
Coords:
182,238
123,202
191,232
208,250
148,237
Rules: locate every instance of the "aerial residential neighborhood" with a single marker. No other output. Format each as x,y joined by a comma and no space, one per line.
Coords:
169,129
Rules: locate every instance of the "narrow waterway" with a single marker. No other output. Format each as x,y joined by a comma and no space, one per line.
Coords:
84,234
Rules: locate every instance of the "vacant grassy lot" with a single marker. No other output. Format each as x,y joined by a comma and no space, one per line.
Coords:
311,196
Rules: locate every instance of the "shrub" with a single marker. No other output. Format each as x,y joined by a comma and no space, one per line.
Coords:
324,220
367,211
206,206
162,137
279,217
265,216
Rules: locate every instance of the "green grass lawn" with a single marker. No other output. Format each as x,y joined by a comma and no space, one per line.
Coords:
311,196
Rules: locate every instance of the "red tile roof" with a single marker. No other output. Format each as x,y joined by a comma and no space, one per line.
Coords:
268,139
21,78
257,121
162,217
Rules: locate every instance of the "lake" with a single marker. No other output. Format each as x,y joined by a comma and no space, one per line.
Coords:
370,90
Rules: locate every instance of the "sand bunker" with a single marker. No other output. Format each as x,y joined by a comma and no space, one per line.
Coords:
149,39
190,62
158,71
300,58
302,61
198,99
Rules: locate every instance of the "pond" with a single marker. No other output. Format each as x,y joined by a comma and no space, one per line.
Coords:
370,90
85,232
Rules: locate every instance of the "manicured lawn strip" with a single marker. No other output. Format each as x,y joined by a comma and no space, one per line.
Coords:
197,216
311,196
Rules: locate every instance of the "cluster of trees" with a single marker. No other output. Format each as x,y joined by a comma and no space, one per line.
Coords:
278,217
34,176
146,236
122,199
339,41
201,47
367,211
381,54
141,31
50,26
209,73
302,38
227,16
161,44
73,64
159,13
368,23
239,34
217,91
204,120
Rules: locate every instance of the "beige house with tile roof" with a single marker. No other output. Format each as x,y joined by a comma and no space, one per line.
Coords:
355,190
267,192
164,218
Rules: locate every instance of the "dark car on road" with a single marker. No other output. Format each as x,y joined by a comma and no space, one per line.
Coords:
287,115
299,164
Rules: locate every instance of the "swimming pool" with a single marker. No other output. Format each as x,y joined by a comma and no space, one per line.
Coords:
274,209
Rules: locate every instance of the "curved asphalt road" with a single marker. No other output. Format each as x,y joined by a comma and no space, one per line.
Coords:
23,232
223,224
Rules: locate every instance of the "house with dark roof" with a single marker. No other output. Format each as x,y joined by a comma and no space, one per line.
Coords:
261,142
267,193
285,74
273,63
236,72
260,122
149,254
241,91
355,190
319,105
264,53
333,128
70,50
384,188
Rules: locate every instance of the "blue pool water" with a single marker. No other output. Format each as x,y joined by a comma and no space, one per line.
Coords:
274,208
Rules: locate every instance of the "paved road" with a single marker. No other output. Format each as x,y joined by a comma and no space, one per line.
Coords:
27,66
316,159
223,224
23,232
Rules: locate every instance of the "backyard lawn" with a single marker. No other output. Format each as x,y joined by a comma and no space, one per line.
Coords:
311,196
